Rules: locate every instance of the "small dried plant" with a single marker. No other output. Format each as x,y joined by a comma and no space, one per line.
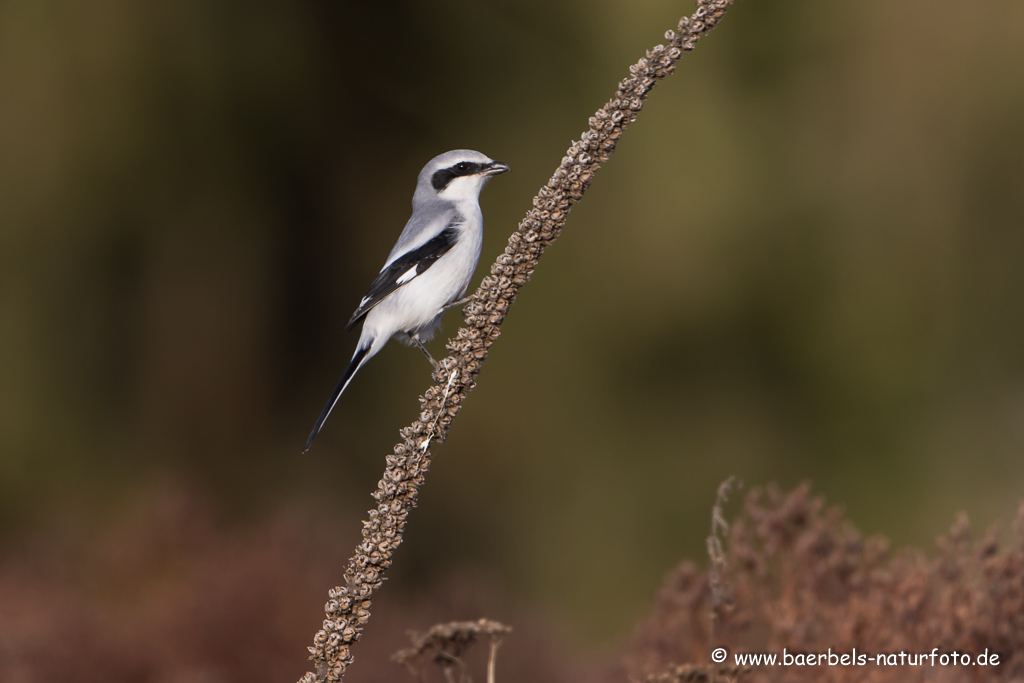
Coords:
445,645
721,595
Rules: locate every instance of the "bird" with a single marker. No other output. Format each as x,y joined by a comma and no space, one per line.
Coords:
430,266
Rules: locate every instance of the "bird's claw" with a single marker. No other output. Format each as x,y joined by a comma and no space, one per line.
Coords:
455,304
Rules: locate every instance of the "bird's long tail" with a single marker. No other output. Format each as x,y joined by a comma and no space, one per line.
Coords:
360,357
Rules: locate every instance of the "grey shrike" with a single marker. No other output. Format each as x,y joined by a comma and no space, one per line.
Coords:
429,267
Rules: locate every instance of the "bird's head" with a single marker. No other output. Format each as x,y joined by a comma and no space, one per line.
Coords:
458,175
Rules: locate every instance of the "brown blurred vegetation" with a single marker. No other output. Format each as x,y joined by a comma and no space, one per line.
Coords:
801,577
164,593
805,261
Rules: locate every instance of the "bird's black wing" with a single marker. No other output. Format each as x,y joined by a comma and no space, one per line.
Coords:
404,269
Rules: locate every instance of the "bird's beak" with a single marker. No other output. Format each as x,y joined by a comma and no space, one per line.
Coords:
494,168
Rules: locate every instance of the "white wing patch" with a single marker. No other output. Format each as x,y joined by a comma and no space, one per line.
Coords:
406,276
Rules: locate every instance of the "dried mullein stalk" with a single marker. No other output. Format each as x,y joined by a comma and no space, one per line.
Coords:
348,609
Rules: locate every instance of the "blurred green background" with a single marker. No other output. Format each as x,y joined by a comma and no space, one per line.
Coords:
805,261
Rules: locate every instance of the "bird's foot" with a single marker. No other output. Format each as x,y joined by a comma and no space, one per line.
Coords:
464,300
417,342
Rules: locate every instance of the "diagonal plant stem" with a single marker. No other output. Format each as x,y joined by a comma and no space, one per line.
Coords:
348,608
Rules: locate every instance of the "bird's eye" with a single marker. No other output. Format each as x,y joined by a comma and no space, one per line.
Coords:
462,167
